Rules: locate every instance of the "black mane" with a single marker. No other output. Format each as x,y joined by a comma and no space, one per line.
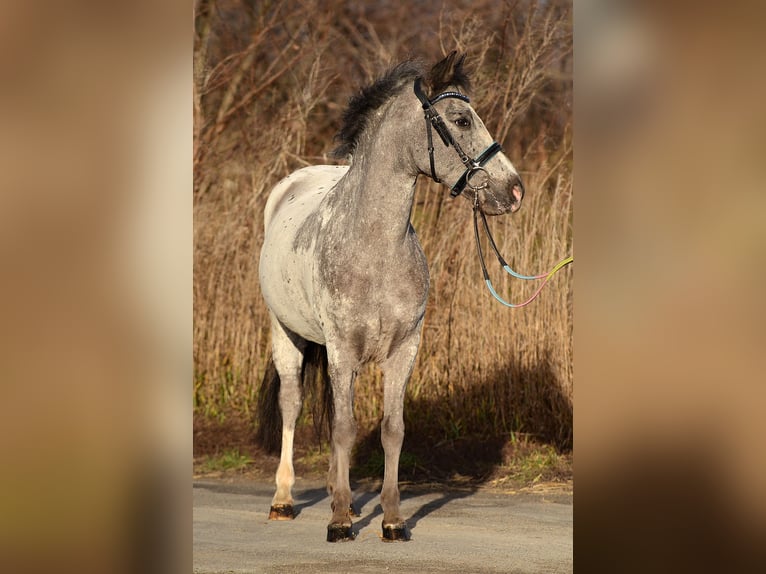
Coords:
362,105
448,72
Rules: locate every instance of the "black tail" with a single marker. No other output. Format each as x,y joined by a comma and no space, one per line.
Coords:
268,414
316,390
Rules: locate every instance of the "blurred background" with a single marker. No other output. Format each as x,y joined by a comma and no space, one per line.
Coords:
669,311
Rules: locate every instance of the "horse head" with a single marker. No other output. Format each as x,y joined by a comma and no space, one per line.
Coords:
464,155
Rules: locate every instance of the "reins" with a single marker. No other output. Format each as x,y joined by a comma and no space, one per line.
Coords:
545,276
474,166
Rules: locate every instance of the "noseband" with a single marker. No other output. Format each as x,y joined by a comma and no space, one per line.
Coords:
472,166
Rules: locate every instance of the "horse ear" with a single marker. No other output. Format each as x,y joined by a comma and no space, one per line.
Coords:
448,72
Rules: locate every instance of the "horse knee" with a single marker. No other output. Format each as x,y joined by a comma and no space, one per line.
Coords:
344,433
392,431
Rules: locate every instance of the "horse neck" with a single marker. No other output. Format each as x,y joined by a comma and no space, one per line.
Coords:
381,185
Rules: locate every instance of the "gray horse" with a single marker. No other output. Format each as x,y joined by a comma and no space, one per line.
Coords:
342,270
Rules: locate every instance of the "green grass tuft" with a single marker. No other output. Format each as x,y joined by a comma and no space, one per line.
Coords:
230,459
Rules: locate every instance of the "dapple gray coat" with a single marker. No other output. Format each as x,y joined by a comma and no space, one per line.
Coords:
342,267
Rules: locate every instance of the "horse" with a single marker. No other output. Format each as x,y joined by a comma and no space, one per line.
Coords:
341,268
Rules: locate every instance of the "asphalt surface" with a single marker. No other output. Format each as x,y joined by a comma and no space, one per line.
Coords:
463,531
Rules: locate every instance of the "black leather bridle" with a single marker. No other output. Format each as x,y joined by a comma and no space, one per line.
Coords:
472,166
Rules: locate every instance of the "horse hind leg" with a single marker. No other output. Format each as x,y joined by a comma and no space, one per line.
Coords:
287,352
396,372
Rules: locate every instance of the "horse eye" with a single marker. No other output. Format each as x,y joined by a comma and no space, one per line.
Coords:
462,123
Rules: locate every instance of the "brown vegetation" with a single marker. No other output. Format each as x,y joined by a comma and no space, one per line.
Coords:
271,82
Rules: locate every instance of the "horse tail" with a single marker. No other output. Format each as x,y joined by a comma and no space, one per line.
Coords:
269,433
316,389
315,384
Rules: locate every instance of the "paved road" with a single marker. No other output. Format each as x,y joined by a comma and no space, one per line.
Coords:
452,531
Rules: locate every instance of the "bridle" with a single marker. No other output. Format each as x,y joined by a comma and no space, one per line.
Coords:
472,166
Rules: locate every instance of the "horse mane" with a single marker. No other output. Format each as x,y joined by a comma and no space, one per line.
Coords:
362,106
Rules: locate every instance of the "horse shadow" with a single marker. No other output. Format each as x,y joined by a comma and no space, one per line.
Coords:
531,398
314,496
421,513
437,504
309,498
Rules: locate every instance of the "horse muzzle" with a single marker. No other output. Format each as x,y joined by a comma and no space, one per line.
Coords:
493,203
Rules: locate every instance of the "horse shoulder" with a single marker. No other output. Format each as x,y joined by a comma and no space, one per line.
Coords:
304,187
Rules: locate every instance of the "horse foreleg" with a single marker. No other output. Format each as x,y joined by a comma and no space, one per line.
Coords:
396,372
343,437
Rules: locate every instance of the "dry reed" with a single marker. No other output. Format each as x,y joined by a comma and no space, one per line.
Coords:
271,80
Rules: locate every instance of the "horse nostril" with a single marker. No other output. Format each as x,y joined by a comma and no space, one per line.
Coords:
517,189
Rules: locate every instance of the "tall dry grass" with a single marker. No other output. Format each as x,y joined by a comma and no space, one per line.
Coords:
271,81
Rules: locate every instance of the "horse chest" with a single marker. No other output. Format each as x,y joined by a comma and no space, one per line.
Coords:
373,297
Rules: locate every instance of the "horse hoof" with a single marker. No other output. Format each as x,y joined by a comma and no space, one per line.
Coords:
281,512
396,532
339,533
